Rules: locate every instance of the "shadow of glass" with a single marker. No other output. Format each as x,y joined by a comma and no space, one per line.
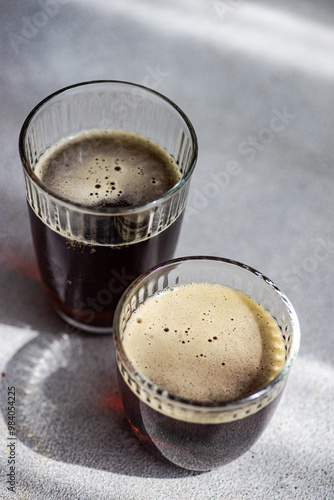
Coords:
68,406
23,300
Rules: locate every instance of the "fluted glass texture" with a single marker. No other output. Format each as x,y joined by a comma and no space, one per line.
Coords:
207,270
107,105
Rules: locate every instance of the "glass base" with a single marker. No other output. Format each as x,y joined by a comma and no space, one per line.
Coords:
99,330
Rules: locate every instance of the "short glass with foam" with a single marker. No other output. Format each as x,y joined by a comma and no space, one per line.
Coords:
192,434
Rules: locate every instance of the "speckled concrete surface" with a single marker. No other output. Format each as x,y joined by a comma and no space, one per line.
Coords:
256,79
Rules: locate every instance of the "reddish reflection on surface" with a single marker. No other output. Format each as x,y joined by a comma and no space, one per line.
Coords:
19,264
111,401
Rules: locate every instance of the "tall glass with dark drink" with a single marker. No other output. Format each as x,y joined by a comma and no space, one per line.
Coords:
107,169
204,347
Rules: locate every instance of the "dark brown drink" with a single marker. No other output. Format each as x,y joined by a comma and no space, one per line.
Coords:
85,281
194,446
107,170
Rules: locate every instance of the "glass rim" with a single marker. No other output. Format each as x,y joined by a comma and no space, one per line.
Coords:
100,209
188,404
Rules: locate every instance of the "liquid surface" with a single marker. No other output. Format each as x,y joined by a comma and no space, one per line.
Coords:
204,342
108,168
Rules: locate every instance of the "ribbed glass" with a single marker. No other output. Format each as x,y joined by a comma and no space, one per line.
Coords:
209,270
107,105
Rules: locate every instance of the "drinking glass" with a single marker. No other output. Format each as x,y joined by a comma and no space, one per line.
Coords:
88,255
194,435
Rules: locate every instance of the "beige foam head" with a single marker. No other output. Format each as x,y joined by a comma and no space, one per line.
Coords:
204,342
107,167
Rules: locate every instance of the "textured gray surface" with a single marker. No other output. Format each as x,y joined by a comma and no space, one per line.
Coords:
262,194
